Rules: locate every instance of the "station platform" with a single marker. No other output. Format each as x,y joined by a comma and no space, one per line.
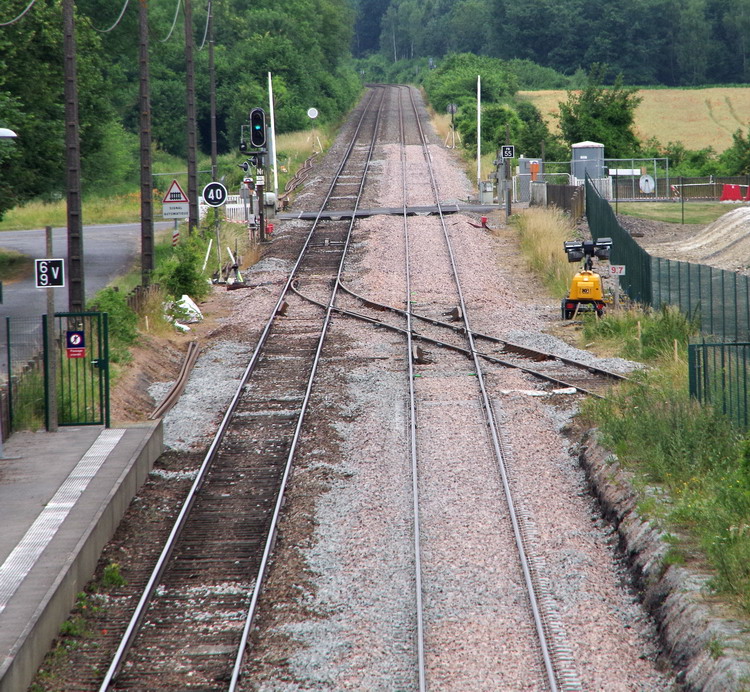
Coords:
62,495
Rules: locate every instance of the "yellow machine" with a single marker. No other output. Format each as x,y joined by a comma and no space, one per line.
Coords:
586,291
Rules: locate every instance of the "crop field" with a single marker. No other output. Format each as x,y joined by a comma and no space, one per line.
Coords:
698,118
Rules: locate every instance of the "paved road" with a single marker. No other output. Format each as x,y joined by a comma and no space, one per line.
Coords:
108,252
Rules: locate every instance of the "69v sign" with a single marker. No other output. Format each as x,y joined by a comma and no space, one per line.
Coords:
214,194
49,273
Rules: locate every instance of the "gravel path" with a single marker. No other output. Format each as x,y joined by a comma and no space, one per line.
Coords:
338,610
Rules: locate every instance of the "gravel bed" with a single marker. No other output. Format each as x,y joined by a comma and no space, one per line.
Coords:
338,610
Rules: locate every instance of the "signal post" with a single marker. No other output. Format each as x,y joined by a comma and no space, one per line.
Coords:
258,142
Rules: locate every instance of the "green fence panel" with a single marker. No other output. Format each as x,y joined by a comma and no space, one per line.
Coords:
82,359
603,224
718,374
719,299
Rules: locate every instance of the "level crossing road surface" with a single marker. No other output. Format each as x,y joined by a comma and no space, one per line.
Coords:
108,251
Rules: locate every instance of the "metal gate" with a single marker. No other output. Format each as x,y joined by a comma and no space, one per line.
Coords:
80,367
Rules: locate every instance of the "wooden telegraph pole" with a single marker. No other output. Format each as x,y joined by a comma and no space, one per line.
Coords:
192,141
76,289
212,77
147,192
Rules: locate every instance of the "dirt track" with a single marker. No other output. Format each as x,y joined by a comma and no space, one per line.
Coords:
725,243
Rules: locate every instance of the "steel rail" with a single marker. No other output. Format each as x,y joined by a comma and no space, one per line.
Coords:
517,348
412,414
193,350
494,432
252,609
161,564
465,351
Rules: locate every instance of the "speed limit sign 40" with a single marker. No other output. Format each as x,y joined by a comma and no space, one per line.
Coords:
214,194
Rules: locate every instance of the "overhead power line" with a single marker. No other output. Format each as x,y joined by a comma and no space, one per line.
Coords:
20,16
208,20
122,12
174,23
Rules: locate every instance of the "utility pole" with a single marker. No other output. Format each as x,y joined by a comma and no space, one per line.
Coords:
76,292
147,193
212,77
192,143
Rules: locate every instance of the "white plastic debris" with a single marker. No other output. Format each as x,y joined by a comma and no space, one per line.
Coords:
193,312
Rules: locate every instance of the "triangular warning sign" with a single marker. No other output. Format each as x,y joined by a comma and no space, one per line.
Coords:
175,194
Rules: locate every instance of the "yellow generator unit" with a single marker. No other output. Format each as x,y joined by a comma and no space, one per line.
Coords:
586,293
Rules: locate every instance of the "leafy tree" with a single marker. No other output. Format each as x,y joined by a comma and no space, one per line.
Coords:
736,159
497,120
367,26
32,103
456,79
534,139
602,114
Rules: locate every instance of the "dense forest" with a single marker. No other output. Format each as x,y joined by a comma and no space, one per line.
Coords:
320,52
649,42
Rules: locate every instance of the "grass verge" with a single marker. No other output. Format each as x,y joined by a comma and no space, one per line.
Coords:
292,150
542,233
690,466
699,213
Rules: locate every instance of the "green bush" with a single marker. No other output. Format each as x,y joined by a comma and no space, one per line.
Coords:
123,322
180,272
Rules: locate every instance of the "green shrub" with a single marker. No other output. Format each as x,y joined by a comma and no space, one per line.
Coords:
180,273
123,322
112,577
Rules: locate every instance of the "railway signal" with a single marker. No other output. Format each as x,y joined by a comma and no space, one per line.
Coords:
258,128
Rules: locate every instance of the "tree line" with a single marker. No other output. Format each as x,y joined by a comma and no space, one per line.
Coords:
305,44
598,110
649,42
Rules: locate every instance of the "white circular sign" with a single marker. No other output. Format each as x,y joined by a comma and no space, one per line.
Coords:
214,194
647,184
312,113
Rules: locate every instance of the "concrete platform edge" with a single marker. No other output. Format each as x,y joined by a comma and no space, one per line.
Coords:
35,641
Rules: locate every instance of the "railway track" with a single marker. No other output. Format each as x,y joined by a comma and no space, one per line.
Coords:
196,624
191,625
541,663
558,371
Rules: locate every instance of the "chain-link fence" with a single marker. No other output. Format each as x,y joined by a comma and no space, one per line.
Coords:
718,300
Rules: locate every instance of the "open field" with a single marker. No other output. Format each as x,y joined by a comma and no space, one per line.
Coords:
698,118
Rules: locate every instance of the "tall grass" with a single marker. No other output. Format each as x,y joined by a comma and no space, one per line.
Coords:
669,440
542,233
701,463
646,335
